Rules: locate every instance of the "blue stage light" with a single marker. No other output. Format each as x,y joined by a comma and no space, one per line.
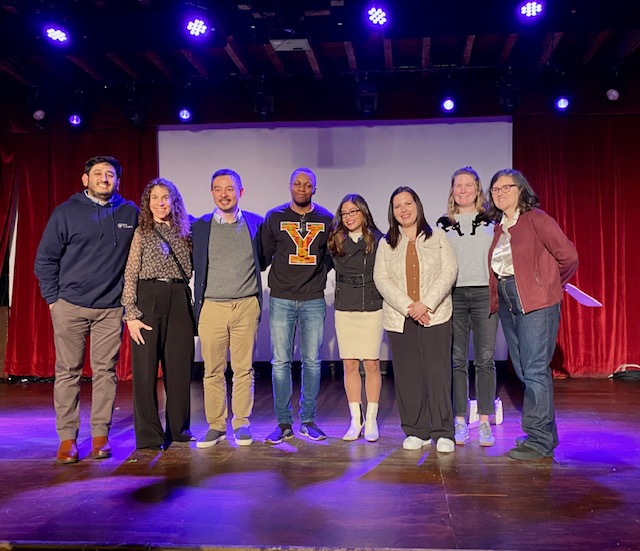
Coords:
562,103
531,9
75,120
377,16
185,114
197,27
56,35
448,105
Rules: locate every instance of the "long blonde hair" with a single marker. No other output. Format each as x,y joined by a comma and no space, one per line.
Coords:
480,202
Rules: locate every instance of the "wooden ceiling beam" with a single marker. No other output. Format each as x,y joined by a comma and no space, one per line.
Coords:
311,57
86,68
629,44
388,54
273,56
468,48
596,43
426,52
124,66
351,56
234,53
13,73
551,41
509,43
159,64
193,59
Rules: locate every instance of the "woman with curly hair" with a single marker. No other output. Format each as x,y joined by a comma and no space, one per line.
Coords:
353,241
531,259
157,302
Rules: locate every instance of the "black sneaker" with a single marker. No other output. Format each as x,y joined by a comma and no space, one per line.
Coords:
283,432
212,437
312,431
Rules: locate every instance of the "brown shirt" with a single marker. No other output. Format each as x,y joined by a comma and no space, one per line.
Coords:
413,271
149,258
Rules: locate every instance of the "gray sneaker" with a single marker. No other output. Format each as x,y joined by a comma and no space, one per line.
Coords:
243,436
485,437
461,433
212,437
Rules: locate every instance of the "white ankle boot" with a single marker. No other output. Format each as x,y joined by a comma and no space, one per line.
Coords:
371,433
357,422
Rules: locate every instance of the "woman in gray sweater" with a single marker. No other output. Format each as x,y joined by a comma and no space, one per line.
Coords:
470,233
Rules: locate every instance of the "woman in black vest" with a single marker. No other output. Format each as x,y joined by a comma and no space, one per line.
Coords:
353,241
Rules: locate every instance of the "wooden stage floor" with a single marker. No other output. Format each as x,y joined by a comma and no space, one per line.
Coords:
325,495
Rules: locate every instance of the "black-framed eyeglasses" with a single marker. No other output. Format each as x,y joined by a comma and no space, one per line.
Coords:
349,213
502,189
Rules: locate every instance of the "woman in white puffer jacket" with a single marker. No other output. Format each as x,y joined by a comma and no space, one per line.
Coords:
414,272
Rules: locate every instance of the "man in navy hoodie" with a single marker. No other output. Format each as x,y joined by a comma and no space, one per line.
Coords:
80,264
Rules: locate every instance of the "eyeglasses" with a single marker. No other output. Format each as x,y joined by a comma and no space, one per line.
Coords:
503,189
349,214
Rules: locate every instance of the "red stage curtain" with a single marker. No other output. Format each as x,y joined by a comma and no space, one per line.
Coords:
8,194
584,170
48,171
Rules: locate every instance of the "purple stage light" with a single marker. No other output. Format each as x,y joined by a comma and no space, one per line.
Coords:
56,35
184,114
196,27
562,103
448,105
377,16
75,120
531,9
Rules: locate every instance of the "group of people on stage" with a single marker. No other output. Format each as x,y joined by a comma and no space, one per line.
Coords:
428,287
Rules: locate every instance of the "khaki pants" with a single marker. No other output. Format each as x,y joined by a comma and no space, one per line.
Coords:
228,327
71,325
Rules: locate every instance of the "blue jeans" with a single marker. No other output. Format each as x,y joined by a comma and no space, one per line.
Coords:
531,339
309,315
471,312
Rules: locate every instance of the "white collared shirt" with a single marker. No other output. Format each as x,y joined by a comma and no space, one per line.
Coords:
501,259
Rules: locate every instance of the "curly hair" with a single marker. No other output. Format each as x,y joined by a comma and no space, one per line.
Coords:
480,202
179,216
338,232
423,227
527,198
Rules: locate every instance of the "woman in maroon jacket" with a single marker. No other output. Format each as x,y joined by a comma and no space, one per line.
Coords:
530,260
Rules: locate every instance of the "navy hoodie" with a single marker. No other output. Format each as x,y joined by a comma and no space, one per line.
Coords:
83,251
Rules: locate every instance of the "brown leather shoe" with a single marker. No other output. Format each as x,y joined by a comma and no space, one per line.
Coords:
100,448
67,452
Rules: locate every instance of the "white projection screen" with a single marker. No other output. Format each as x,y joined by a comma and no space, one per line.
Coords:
369,158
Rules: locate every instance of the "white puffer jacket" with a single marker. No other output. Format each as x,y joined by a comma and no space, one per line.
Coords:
438,272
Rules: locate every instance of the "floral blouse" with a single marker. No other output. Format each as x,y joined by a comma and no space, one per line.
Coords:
149,258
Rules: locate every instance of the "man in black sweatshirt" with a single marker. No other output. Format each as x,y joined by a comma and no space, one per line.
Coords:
294,243
80,263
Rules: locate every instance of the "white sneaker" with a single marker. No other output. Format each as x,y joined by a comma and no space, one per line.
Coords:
414,443
445,445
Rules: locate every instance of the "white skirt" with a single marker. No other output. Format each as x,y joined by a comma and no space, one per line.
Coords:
359,334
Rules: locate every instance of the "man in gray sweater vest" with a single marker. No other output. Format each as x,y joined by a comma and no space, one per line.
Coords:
228,298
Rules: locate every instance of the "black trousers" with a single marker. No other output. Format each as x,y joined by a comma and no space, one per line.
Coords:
422,377
166,308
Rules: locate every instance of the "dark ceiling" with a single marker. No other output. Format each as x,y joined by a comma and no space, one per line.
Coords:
297,59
